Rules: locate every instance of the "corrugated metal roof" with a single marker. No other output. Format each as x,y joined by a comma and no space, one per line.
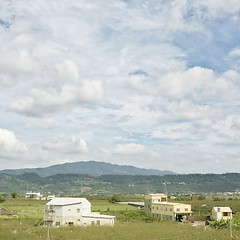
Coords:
92,215
67,201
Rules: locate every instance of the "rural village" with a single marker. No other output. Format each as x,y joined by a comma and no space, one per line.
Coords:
65,212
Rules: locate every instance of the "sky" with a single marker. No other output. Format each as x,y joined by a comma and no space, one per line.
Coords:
153,84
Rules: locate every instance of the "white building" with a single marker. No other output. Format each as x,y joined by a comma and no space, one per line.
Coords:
76,211
33,195
219,213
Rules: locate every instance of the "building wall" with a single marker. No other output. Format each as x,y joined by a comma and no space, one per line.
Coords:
157,205
221,215
162,211
183,208
151,199
73,210
86,221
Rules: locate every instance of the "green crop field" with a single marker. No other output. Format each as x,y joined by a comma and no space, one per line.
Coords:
130,222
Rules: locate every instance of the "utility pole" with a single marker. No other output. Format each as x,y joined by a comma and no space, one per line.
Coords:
166,188
231,227
48,230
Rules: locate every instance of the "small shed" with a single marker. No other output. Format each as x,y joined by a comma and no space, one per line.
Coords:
219,213
199,220
4,211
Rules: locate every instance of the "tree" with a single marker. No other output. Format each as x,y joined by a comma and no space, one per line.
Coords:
14,195
114,199
2,198
201,197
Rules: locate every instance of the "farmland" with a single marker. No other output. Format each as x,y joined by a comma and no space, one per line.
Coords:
130,222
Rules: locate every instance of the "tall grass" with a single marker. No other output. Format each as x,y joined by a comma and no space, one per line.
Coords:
25,230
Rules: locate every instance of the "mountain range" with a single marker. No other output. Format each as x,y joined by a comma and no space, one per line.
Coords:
92,168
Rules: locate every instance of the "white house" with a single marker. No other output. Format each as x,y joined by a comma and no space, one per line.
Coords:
76,211
33,195
219,213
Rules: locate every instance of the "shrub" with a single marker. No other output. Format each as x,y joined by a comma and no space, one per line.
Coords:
201,197
225,223
114,199
2,198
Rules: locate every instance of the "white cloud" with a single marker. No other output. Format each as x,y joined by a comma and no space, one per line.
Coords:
130,149
162,76
69,70
66,145
235,53
10,146
42,102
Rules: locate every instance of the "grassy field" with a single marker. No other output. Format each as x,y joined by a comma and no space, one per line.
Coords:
24,229
130,223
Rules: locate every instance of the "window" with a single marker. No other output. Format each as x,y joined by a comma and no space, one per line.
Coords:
69,209
178,209
57,223
98,222
186,209
157,208
153,207
166,209
164,199
78,210
225,214
170,209
79,219
92,223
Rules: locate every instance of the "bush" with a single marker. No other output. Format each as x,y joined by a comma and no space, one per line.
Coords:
225,223
2,198
218,199
114,199
201,197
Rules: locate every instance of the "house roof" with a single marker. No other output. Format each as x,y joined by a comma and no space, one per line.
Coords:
198,218
169,203
157,195
136,204
66,201
92,215
33,193
222,209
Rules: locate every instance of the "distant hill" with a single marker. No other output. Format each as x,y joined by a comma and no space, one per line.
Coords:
91,168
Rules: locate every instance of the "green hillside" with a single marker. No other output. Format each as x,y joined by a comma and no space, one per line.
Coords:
75,184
